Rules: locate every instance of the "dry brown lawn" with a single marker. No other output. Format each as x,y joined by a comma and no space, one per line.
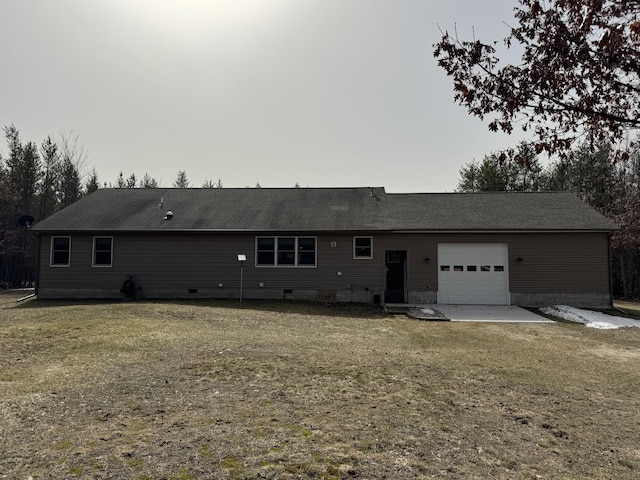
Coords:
171,390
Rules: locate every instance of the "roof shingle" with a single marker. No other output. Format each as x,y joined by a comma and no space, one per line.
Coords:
322,209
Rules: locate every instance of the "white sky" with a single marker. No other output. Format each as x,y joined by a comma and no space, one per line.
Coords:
320,92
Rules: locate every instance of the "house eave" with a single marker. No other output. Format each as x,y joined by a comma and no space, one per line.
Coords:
515,230
320,230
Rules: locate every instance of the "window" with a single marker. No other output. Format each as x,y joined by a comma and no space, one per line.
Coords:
102,251
458,268
498,268
286,251
307,251
266,249
472,268
394,256
363,247
445,268
485,268
60,251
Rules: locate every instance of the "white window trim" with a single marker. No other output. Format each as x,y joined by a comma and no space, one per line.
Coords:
356,257
275,252
93,252
59,265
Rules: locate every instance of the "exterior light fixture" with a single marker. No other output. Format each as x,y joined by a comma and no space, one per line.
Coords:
241,258
519,259
427,259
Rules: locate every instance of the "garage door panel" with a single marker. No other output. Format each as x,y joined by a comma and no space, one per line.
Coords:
473,274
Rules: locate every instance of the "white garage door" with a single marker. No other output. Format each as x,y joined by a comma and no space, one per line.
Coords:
473,274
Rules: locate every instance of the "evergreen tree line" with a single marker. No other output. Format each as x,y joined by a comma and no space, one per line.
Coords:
37,181
612,188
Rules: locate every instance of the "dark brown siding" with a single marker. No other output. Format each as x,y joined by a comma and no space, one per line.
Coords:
172,263
179,262
552,262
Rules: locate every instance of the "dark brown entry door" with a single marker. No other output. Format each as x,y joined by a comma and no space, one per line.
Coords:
396,263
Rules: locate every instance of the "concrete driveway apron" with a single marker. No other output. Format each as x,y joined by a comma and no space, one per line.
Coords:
489,313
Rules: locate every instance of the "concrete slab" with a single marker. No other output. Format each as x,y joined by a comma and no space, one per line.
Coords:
489,313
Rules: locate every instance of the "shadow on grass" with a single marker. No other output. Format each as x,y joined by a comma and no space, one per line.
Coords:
355,310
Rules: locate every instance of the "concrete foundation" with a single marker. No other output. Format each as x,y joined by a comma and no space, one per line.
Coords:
583,300
417,297
414,297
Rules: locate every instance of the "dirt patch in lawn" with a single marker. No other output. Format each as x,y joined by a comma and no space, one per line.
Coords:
170,390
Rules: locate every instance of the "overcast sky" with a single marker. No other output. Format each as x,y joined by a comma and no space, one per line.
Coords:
319,92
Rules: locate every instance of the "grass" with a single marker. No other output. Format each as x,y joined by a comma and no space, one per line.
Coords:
153,390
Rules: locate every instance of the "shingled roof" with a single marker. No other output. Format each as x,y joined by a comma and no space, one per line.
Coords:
321,209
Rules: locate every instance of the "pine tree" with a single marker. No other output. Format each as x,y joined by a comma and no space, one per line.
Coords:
495,173
48,199
8,226
92,183
132,181
69,183
148,182
181,180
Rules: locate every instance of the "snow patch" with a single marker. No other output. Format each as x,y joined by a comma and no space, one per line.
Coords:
589,318
428,311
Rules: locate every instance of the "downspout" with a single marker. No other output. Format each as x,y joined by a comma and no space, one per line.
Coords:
37,234
610,268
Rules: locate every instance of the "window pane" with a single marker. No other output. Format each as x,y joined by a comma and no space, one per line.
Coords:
307,258
363,242
266,243
103,258
286,258
266,258
498,268
472,268
61,243
60,258
485,268
458,268
103,243
307,244
286,243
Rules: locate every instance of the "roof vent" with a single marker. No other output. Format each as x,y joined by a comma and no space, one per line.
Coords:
169,215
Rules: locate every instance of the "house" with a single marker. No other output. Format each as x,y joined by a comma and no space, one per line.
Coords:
328,244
